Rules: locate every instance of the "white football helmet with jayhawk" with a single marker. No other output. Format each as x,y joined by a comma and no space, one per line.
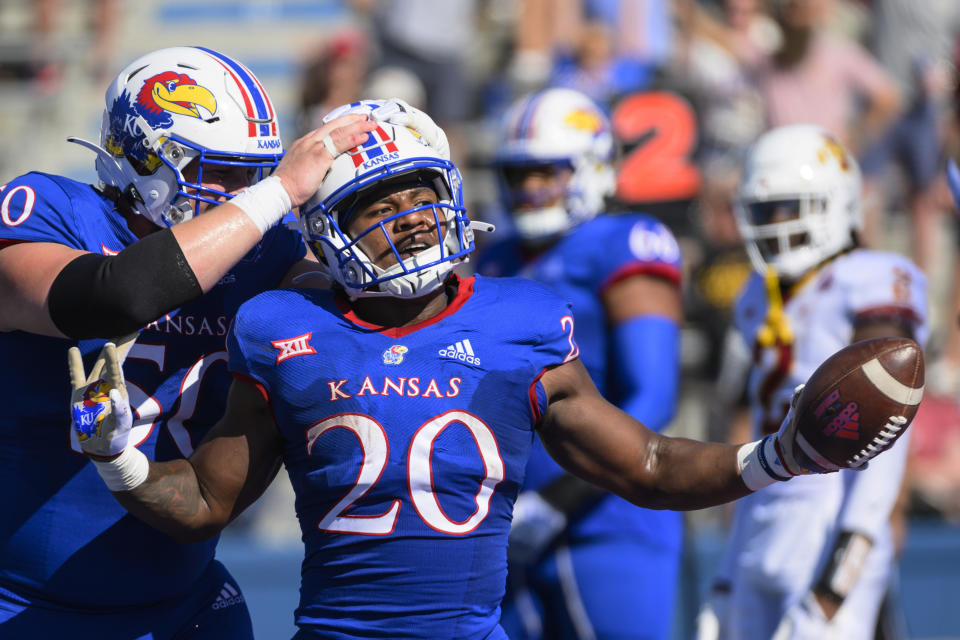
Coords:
175,105
565,129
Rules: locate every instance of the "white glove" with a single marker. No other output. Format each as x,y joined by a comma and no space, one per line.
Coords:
805,620
536,523
100,410
792,457
397,111
778,457
711,621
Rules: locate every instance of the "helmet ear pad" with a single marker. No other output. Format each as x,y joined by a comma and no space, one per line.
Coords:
802,168
394,158
177,105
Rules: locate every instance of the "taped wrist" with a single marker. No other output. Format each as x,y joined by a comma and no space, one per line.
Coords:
266,202
125,472
847,560
98,296
759,465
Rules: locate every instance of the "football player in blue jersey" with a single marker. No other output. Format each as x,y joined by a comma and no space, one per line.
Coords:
584,563
404,403
184,130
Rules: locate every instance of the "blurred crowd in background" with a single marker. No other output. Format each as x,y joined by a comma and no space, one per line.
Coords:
689,84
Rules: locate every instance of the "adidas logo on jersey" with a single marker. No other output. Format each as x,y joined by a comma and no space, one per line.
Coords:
462,351
227,597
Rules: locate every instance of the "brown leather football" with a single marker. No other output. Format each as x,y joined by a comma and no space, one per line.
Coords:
860,400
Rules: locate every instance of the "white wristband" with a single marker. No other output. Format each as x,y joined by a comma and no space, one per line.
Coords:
754,460
125,472
265,203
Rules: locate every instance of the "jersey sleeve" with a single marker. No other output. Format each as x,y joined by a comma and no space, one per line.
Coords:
888,287
35,208
636,245
555,342
247,354
545,325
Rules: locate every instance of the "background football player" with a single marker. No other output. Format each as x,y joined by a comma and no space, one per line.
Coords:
811,559
407,458
584,563
184,130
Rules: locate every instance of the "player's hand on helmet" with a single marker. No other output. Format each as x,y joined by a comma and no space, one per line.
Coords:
789,453
99,406
805,620
536,524
399,112
711,620
306,162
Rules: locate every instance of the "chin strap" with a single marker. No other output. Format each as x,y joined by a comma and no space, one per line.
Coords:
776,328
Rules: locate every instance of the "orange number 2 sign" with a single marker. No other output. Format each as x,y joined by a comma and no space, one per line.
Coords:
659,131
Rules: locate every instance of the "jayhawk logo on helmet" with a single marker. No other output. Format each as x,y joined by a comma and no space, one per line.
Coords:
176,93
160,98
585,120
88,414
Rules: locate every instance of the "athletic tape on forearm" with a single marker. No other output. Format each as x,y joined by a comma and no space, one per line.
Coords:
125,472
755,462
265,203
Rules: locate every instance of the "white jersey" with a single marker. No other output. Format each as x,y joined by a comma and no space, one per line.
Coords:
784,531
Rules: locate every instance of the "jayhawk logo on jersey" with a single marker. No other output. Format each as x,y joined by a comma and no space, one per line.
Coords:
160,98
394,355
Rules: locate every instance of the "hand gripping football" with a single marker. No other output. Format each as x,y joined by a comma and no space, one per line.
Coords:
860,400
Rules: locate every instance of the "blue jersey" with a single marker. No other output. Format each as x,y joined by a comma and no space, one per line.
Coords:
580,267
64,540
405,447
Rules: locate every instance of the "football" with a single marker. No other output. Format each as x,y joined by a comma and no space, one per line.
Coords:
860,400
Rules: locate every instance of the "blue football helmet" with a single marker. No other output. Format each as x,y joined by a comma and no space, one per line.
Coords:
393,153
171,107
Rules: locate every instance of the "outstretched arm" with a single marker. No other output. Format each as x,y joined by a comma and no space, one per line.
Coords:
55,290
600,443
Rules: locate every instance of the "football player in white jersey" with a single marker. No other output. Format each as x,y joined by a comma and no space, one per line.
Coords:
812,558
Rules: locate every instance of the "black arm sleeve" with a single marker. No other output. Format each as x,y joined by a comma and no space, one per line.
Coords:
98,296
